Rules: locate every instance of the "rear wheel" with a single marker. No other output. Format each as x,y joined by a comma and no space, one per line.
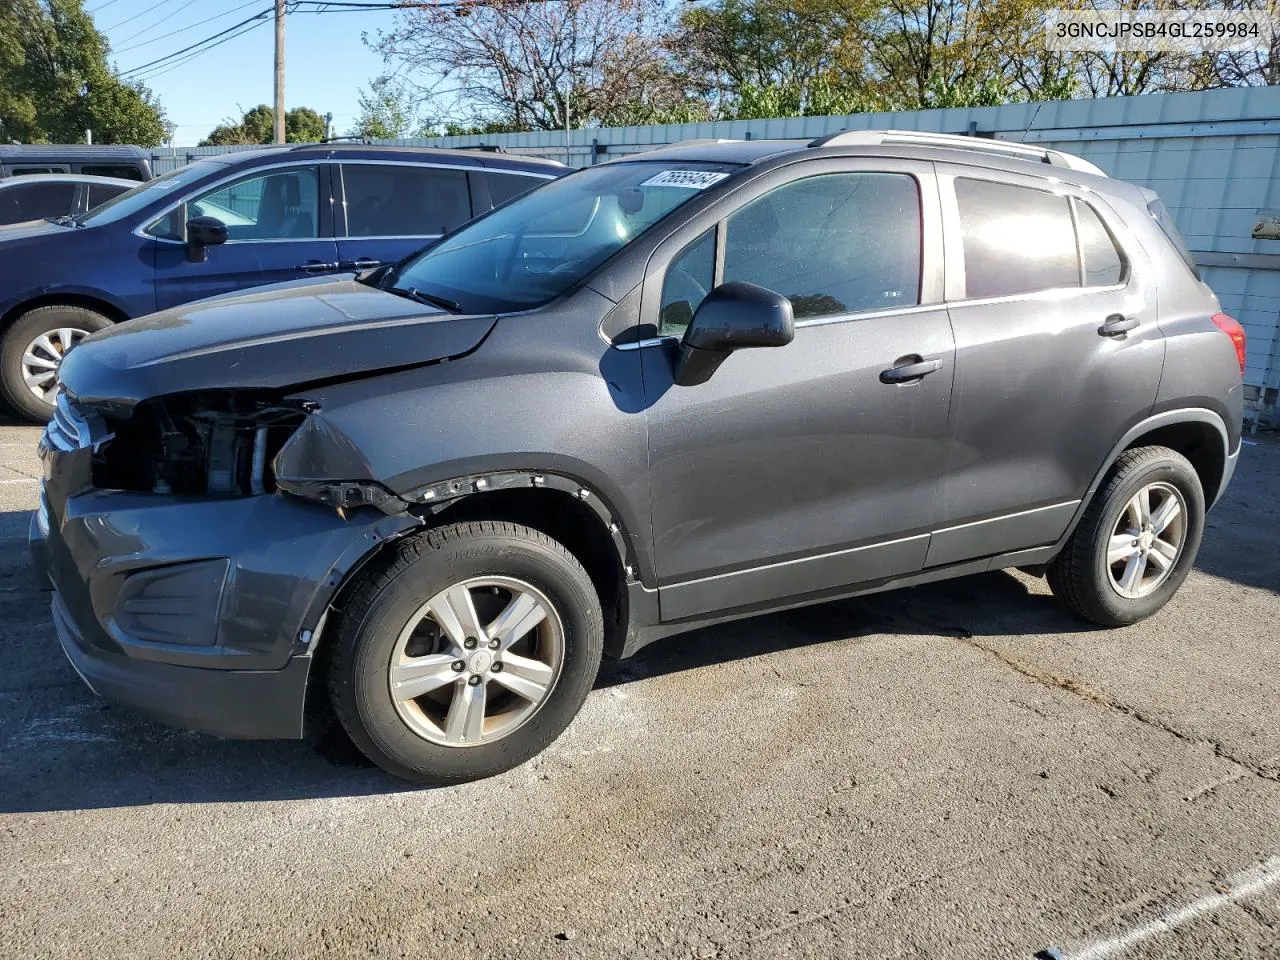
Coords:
467,654
1136,542
32,350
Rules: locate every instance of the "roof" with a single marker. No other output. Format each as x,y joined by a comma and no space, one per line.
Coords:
462,156
71,151
980,151
84,178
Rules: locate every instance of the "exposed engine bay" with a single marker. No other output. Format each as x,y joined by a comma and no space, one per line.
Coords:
214,443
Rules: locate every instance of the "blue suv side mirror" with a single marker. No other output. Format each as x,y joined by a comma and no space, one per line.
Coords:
204,232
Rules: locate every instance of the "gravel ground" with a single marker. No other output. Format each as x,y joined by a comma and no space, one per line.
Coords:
958,770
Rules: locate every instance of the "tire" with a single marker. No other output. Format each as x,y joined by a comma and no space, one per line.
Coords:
375,634
1081,577
26,330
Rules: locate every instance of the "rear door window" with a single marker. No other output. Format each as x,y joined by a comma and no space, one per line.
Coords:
400,200
1016,239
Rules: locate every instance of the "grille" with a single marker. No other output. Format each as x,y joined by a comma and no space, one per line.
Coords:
67,430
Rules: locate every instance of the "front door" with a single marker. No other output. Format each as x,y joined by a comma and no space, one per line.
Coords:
393,209
802,469
279,227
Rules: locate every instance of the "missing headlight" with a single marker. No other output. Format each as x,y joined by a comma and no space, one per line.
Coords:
217,444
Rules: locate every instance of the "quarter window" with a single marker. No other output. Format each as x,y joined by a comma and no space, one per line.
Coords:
833,244
281,205
1103,262
385,200
689,278
1016,239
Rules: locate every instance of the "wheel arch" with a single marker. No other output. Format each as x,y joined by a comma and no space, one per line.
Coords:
563,507
65,298
1199,434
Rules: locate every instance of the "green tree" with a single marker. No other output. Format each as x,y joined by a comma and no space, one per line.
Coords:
303,125
386,113
55,81
257,126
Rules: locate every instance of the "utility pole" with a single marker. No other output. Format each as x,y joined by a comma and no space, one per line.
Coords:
279,111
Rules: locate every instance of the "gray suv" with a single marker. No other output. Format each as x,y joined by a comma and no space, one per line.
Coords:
679,388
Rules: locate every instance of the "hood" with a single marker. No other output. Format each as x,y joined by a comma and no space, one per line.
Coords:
273,337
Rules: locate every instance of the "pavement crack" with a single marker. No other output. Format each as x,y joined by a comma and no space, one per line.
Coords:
1108,702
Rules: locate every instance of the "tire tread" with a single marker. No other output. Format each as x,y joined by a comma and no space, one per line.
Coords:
360,603
1069,574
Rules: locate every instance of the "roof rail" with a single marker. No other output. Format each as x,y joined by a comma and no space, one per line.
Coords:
951,141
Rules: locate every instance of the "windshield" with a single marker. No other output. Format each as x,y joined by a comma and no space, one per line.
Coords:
536,247
131,201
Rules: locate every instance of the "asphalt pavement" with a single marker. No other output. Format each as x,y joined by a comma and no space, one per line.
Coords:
960,770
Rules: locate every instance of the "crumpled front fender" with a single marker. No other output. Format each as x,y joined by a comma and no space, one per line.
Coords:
319,462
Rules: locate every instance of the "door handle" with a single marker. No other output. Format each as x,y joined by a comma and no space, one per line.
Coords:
317,266
907,369
1117,325
364,263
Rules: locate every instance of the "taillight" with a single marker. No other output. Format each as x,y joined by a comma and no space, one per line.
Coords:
1232,329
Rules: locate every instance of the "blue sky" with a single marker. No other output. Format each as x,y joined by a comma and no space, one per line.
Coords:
326,61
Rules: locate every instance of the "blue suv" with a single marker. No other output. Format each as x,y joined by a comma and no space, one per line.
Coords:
228,222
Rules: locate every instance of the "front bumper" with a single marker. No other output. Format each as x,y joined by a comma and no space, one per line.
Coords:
203,613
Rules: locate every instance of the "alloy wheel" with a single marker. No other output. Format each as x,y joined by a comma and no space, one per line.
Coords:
41,358
476,661
1147,540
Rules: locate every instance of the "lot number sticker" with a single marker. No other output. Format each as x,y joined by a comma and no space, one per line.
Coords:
692,179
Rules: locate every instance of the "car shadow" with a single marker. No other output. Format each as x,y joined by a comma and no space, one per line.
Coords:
63,749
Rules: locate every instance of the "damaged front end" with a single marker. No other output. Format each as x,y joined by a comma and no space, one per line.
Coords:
188,579
233,443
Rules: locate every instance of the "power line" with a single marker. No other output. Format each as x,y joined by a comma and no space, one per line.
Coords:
153,25
101,8
143,13
164,68
199,43
190,26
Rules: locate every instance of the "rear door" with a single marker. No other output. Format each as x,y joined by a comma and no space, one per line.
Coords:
389,209
1043,280
279,225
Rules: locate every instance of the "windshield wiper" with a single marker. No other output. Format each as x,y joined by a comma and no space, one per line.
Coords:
413,293
66,220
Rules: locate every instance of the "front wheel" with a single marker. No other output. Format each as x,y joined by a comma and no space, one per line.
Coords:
32,350
1136,542
466,654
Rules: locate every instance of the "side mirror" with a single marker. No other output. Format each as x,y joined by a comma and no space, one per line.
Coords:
204,232
734,315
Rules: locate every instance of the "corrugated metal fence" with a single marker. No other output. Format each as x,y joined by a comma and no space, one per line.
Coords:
1212,156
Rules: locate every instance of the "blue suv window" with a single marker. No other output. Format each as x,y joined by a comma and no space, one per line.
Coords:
400,200
278,205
